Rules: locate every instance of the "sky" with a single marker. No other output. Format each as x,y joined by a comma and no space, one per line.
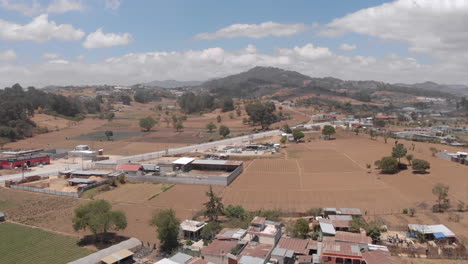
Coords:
124,42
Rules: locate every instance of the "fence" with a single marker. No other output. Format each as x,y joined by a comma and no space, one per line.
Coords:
32,189
93,185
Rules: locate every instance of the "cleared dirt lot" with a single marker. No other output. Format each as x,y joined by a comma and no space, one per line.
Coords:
133,193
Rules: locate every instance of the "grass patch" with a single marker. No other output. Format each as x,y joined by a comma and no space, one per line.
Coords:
89,194
5,204
23,245
163,189
116,125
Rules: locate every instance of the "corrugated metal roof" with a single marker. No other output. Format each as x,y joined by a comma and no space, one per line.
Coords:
97,256
219,247
216,162
231,233
327,227
180,258
90,172
340,217
79,180
352,237
165,261
251,260
379,257
350,211
282,252
431,229
183,161
117,256
297,245
191,225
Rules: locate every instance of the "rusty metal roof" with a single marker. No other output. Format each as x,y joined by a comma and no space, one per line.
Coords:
219,247
295,244
379,257
352,237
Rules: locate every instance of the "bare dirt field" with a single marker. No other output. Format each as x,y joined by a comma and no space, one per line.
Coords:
133,193
333,174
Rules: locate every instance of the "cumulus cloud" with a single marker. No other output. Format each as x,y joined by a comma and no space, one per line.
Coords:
63,6
7,55
204,64
347,47
51,56
99,39
40,29
112,4
433,27
30,8
254,31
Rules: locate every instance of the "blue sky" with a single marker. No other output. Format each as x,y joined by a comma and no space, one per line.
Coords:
130,41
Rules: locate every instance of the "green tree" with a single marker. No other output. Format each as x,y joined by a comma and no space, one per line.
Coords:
409,158
98,217
210,231
237,211
287,129
388,165
147,123
421,166
109,116
214,207
228,105
300,228
356,224
314,212
224,131
210,126
298,135
399,151
441,192
168,229
262,113
283,139
179,126
373,230
328,131
109,134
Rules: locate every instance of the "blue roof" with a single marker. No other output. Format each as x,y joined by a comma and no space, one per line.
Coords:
439,235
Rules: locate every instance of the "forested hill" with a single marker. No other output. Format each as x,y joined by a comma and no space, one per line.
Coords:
261,81
18,105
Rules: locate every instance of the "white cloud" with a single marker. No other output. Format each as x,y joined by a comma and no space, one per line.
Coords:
63,6
51,56
40,29
113,4
347,47
215,62
8,55
22,7
255,30
30,8
99,39
433,27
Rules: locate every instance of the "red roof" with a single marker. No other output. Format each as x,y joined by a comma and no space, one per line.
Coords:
382,116
340,223
255,249
379,257
352,237
219,247
128,167
294,244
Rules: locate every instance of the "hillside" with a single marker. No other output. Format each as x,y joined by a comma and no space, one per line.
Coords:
264,81
171,84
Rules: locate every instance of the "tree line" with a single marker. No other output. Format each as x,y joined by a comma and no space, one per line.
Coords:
17,105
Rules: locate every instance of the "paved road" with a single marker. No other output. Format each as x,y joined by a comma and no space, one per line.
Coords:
146,156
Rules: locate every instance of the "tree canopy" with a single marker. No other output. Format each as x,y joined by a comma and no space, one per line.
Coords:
261,113
298,135
192,103
441,192
98,217
420,165
147,123
328,130
214,207
388,165
210,126
168,229
301,228
399,151
224,130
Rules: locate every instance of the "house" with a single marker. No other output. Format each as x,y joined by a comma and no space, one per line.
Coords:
218,250
191,229
356,238
264,231
340,252
431,232
231,234
378,257
252,253
181,258
288,249
130,169
327,227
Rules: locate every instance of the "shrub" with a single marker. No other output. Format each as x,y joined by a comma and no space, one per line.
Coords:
389,165
412,211
421,166
405,211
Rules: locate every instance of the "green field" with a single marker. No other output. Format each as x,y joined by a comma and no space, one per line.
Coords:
20,244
